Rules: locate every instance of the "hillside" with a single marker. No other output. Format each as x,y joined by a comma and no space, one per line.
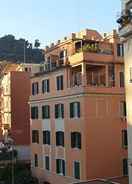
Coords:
13,50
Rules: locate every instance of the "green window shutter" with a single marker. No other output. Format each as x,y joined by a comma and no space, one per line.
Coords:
43,86
33,89
57,166
78,109
62,110
72,140
63,167
47,162
56,111
48,85
77,170
71,110
61,79
79,140
57,83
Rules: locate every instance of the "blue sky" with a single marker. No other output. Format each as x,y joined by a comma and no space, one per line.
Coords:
49,20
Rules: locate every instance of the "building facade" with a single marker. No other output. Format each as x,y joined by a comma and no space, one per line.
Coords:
14,112
125,30
78,114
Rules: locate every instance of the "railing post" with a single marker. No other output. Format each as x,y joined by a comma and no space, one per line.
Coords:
84,74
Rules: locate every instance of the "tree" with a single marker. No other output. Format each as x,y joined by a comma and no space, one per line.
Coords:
12,49
37,44
22,175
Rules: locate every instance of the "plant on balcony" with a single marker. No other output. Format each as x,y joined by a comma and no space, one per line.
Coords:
89,48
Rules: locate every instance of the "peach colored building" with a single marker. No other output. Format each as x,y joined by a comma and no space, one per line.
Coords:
78,113
14,112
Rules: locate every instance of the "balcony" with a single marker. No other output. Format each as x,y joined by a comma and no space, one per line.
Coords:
93,75
90,57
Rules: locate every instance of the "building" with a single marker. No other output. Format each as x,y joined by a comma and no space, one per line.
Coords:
125,30
14,107
78,115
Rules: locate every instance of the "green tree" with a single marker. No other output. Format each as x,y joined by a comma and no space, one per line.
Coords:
37,44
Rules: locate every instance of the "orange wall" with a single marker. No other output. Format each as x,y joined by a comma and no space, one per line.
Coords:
20,117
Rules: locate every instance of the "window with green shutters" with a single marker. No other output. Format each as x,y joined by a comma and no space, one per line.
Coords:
35,88
59,111
125,167
124,139
120,50
60,167
59,82
59,138
35,136
34,112
123,111
47,163
45,112
46,86
75,110
35,160
46,137
76,140
122,79
77,169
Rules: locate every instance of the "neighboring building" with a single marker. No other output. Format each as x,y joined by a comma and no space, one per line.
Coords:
14,112
78,113
125,31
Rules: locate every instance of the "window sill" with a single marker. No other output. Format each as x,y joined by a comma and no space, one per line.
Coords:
76,149
46,145
59,146
75,118
60,174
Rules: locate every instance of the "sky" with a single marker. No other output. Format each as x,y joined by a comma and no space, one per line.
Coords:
50,20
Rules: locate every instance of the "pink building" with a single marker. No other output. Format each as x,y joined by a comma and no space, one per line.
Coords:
78,115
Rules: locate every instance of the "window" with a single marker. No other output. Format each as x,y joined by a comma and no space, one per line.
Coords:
130,74
35,88
36,160
76,140
59,82
34,112
35,136
124,139
26,69
75,110
76,169
45,112
120,50
122,79
60,166
46,137
125,167
46,86
123,112
59,111
111,75
47,163
62,56
59,138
